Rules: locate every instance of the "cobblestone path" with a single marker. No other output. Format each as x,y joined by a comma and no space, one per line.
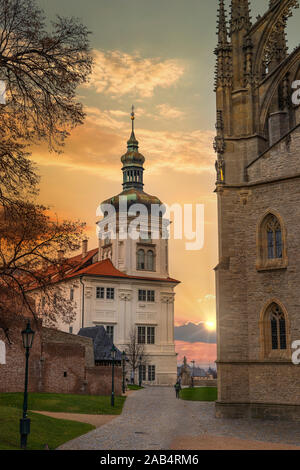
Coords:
152,418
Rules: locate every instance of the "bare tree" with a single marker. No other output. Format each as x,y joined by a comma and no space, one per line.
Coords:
42,71
29,245
135,352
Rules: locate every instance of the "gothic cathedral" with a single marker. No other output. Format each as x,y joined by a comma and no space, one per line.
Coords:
258,191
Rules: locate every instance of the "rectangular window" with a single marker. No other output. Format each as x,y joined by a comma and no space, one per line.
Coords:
100,292
151,373
110,332
142,295
110,293
150,335
71,329
150,296
141,335
71,294
143,372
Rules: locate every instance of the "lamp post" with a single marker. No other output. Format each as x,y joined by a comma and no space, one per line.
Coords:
113,355
123,371
140,371
27,337
193,373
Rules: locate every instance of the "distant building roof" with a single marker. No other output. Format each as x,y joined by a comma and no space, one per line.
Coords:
102,343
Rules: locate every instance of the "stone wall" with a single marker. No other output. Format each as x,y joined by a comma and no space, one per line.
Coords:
245,375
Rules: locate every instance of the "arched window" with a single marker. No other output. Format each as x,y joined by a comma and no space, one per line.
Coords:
275,331
274,237
278,328
141,259
150,260
2,353
271,243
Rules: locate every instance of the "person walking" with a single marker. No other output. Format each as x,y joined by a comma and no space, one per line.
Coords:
177,387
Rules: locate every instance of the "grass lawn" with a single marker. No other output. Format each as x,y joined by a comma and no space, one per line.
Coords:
61,403
134,387
44,430
199,394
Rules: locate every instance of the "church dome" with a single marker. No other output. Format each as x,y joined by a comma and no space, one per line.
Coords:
133,196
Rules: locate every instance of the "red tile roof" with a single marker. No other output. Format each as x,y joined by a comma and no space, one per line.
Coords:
78,266
106,269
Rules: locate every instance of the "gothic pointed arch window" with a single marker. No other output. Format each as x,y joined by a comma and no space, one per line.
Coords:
274,237
275,331
271,243
141,260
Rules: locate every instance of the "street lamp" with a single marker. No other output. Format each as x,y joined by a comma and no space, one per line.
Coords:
140,371
113,355
123,370
27,337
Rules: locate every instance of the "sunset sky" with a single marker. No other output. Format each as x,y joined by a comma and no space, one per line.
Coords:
157,55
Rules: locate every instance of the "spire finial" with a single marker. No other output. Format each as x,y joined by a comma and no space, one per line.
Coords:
132,118
222,25
132,142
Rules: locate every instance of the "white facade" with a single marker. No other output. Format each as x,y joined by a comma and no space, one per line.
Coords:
136,292
126,311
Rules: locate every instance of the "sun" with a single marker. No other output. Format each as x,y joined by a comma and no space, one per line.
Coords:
210,325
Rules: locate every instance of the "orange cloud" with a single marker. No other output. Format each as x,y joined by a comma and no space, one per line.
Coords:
98,145
117,73
168,112
202,353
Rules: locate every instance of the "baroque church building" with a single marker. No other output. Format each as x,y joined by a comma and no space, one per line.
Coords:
124,283
258,192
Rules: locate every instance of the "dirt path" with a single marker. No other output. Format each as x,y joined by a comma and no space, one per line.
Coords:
95,420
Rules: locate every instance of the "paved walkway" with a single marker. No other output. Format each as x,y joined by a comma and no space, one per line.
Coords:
153,419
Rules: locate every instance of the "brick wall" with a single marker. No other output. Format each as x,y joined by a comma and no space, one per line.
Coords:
12,374
55,336
59,363
99,380
63,368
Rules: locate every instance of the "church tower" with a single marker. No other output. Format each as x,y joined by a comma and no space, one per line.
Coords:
140,254
144,298
257,185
